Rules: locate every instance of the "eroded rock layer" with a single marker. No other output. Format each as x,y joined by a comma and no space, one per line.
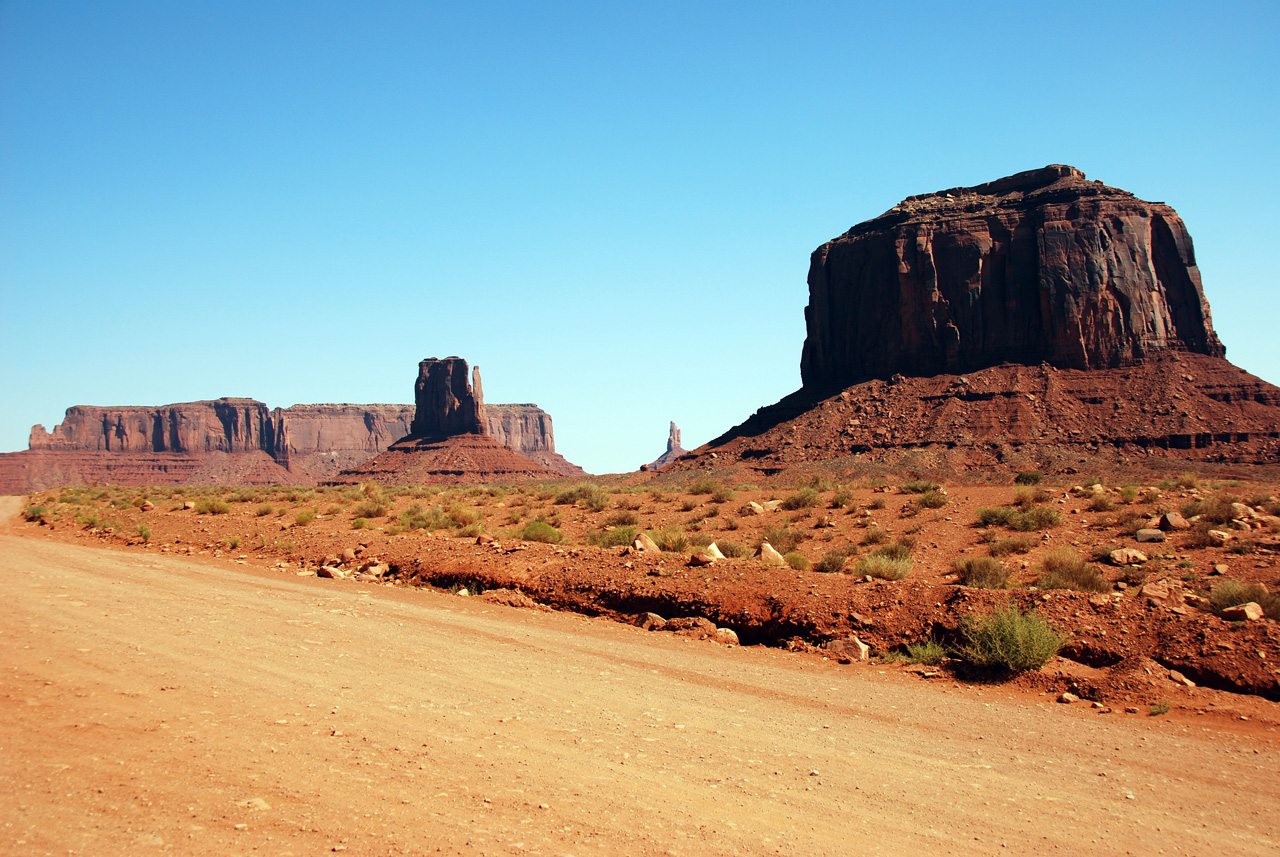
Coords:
1043,266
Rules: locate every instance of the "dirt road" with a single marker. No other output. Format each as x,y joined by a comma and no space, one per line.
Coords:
151,704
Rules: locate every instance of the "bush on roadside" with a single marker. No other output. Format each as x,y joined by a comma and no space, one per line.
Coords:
1233,593
1008,640
833,561
541,531
891,562
592,497
797,560
212,506
670,539
369,509
616,537
918,486
931,500
1028,477
929,652
783,538
805,498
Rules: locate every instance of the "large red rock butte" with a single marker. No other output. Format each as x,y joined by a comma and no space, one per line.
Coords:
450,442
1040,319
239,442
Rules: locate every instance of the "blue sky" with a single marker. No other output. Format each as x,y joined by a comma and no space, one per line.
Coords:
608,207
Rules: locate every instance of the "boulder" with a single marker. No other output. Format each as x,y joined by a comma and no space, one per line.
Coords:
1127,556
714,551
849,648
700,558
1218,538
752,508
728,636
650,622
644,544
1249,612
1150,535
769,556
1173,521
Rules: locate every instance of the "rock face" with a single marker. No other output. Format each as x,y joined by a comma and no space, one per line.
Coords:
241,441
450,442
446,404
1038,321
674,449
1040,267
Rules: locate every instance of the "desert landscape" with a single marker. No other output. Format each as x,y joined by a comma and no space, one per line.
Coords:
1021,498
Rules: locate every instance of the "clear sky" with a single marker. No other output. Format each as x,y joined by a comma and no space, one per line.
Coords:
608,206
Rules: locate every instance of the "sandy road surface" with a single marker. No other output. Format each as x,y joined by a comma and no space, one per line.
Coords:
151,704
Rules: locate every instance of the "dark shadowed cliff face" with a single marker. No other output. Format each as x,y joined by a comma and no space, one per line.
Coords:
1043,266
447,405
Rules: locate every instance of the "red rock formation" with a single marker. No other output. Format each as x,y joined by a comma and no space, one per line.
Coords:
674,449
1042,266
446,405
527,429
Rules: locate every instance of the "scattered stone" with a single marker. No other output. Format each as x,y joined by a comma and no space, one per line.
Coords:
147,506
1173,521
824,523
348,556
1218,538
463,593
1178,678
1220,568
1240,510
769,555
1131,709
692,626
752,508
714,551
849,647
728,636
771,505
485,539
1150,535
701,558
1128,556
650,622
1068,697
331,573
1249,612
189,505
644,544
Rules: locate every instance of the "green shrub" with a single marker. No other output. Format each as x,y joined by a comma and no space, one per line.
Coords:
369,509
833,561
460,516
1158,708
840,499
212,506
805,498
931,500
1233,593
982,572
540,531
1128,495
264,510
733,550
704,485
306,516
688,505
874,536
1014,544
891,562
670,539
928,652
1212,510
996,516
36,514
144,531
876,503
592,497
783,538
617,537
918,486
797,560
1007,639
1025,498
721,495
1064,568
359,523
1101,503
1034,518
624,518
1028,477
470,531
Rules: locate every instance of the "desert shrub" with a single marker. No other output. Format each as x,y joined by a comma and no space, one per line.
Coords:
616,537
589,495
263,510
306,516
461,516
1028,477
876,503
359,523
1213,510
704,485
418,517
369,509
1025,497
1064,568
144,532
1034,518
88,520
701,540
931,500
36,514
805,498
1101,503
1233,593
1102,552
899,550
1007,639
733,550
1128,495
833,561
840,499
244,495
212,506
688,505
783,538
233,542
982,572
918,486
470,531
883,566
874,536
1013,544
623,518
797,560
1242,545
332,509
721,495
626,502
928,652
541,531
670,539
996,516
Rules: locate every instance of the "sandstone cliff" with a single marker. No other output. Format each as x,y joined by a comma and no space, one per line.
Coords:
527,429
445,403
1042,266
674,449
